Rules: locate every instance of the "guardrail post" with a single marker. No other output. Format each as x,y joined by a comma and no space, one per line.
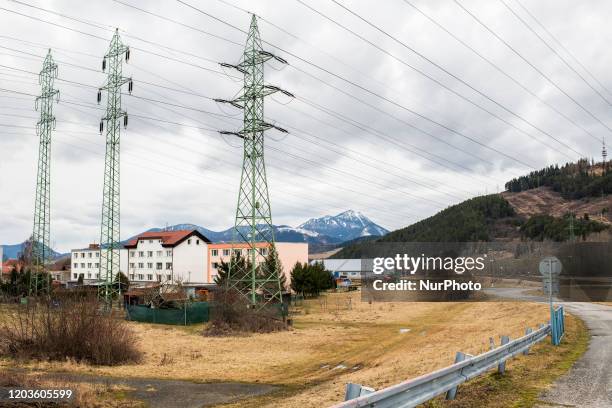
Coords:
502,366
562,321
452,393
527,331
352,391
356,390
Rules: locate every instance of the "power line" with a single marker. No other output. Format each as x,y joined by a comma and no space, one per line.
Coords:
105,39
528,26
562,46
338,76
284,153
497,67
548,79
431,78
90,85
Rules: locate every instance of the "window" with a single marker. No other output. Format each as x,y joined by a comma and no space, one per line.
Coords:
236,252
168,253
226,252
150,254
150,241
82,265
131,276
89,264
149,265
215,265
188,242
149,277
82,254
264,251
140,265
97,276
89,275
197,242
89,254
75,276
96,265
132,253
97,254
76,254
76,265
168,265
158,266
140,276
159,278
168,277
214,252
141,254
132,265
160,253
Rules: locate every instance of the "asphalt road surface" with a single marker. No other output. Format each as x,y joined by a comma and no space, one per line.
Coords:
588,384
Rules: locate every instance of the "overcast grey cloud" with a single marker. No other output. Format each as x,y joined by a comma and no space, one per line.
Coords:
365,153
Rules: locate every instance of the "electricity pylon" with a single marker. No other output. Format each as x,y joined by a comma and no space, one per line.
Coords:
109,235
41,236
258,281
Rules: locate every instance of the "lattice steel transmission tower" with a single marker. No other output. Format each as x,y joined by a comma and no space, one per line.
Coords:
41,235
109,235
258,277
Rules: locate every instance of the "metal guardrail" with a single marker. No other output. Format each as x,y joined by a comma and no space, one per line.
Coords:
412,392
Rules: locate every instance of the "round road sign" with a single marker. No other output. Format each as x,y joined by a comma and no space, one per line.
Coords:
550,265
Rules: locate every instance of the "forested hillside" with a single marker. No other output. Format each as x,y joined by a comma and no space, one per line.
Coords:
471,220
546,227
572,180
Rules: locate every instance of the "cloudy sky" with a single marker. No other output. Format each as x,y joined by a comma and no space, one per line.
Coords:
401,109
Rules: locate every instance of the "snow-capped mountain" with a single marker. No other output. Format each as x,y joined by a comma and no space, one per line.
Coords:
320,233
345,226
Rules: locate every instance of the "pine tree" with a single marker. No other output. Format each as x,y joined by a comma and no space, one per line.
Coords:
272,267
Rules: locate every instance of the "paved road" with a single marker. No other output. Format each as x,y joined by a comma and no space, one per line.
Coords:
588,384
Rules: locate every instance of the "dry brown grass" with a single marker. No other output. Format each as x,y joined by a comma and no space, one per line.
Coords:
328,347
85,395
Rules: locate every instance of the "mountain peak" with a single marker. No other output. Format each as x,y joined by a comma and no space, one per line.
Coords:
346,225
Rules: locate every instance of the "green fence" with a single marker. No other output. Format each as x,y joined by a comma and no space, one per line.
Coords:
198,312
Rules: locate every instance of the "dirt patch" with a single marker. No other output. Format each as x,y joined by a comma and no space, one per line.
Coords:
157,393
544,200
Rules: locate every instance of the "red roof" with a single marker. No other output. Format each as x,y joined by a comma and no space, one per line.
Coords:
169,238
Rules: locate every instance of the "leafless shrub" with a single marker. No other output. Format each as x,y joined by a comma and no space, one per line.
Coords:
166,360
67,328
231,314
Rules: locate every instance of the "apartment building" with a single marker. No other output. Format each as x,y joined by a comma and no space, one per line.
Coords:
168,256
184,256
86,262
288,254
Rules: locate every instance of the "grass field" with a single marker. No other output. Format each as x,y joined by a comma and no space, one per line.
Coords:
334,341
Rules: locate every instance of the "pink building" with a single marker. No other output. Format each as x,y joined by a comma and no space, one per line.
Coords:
288,254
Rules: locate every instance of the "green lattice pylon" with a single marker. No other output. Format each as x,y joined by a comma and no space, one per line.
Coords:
258,277
110,231
40,243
